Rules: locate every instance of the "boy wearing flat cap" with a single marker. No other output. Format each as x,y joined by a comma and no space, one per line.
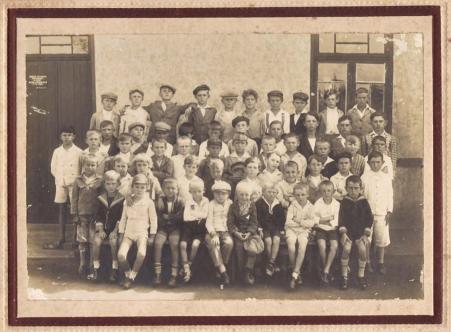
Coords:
300,101
275,99
201,114
226,115
162,130
107,113
139,145
166,111
134,112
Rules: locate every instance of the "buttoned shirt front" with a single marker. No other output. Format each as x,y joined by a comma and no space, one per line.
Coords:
217,216
323,210
378,190
64,165
196,211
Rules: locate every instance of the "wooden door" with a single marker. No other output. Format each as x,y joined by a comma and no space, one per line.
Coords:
59,93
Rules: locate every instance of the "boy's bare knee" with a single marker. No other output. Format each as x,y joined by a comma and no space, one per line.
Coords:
183,245
195,244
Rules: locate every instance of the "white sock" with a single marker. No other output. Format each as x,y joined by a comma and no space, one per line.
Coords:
96,264
132,275
115,265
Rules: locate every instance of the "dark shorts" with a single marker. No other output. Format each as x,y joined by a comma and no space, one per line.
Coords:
326,235
271,233
193,230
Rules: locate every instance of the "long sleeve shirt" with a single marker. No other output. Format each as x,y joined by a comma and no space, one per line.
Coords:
196,211
339,182
285,194
242,223
84,195
378,190
139,219
323,210
65,165
217,216
270,216
300,218
299,159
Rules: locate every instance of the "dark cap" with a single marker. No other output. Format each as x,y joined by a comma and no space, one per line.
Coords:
200,88
300,95
170,87
275,93
136,124
238,119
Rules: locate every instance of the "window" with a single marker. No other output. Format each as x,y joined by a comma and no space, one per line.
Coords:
57,44
344,62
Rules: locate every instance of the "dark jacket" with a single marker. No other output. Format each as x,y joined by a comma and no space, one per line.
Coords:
330,169
114,149
269,221
298,127
142,148
304,147
242,224
170,116
173,220
109,214
84,197
163,171
355,216
201,123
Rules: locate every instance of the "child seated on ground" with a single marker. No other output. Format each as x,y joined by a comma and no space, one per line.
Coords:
298,226
125,179
162,165
215,131
292,142
183,150
241,126
357,160
315,177
271,173
271,220
252,166
286,186
239,153
326,210
109,212
170,218
190,165
339,179
83,208
138,225
219,241
193,229
355,221
243,225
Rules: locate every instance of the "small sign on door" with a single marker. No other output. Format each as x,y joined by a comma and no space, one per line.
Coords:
38,81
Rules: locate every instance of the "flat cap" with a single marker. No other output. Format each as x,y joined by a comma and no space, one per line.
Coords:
136,124
229,93
162,126
275,93
300,95
109,95
238,119
221,186
140,179
170,87
200,88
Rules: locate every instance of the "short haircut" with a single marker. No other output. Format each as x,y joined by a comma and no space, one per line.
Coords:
93,132
119,159
315,157
292,135
124,137
322,141
372,116
361,90
344,155
67,129
344,118
301,186
354,179
379,138
276,122
196,183
292,164
186,128
269,185
375,154
111,175
329,93
106,123
249,92
159,140
327,183
353,139
141,157
238,119
215,125
90,158
243,187
251,160
217,163
274,154
267,137
168,181
134,91
190,160
184,138
311,114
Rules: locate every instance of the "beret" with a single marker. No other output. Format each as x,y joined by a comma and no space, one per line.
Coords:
163,126
139,178
136,124
170,87
109,95
214,142
300,95
200,88
229,93
238,119
221,186
275,93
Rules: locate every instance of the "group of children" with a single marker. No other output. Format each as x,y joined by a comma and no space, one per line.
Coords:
242,182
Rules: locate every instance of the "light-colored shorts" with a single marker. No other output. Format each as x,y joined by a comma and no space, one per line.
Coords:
380,230
301,236
136,237
62,193
86,230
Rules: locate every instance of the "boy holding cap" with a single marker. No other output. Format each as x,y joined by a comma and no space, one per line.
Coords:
360,114
275,99
107,113
300,100
226,115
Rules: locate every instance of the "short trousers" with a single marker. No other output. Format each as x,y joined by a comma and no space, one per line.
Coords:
380,230
326,235
112,234
301,236
63,193
192,230
86,229
135,237
271,232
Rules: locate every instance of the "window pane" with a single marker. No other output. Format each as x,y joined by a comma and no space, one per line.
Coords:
326,43
376,94
352,48
377,43
80,44
332,76
32,45
56,40
352,37
370,72
56,49
332,72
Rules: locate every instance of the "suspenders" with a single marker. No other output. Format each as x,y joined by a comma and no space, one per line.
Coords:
267,122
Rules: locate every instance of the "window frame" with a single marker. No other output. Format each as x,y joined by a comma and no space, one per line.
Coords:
352,59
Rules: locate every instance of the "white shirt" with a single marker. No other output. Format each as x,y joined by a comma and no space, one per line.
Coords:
107,115
312,142
339,182
183,184
137,219
203,109
341,139
178,160
65,166
256,188
203,151
133,115
125,184
196,211
127,156
282,116
332,120
300,218
323,210
387,166
378,190
104,147
217,216
280,148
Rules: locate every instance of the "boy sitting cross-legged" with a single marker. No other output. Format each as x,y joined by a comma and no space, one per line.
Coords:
107,219
354,221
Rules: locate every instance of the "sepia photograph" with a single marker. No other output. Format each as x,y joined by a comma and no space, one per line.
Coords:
231,163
